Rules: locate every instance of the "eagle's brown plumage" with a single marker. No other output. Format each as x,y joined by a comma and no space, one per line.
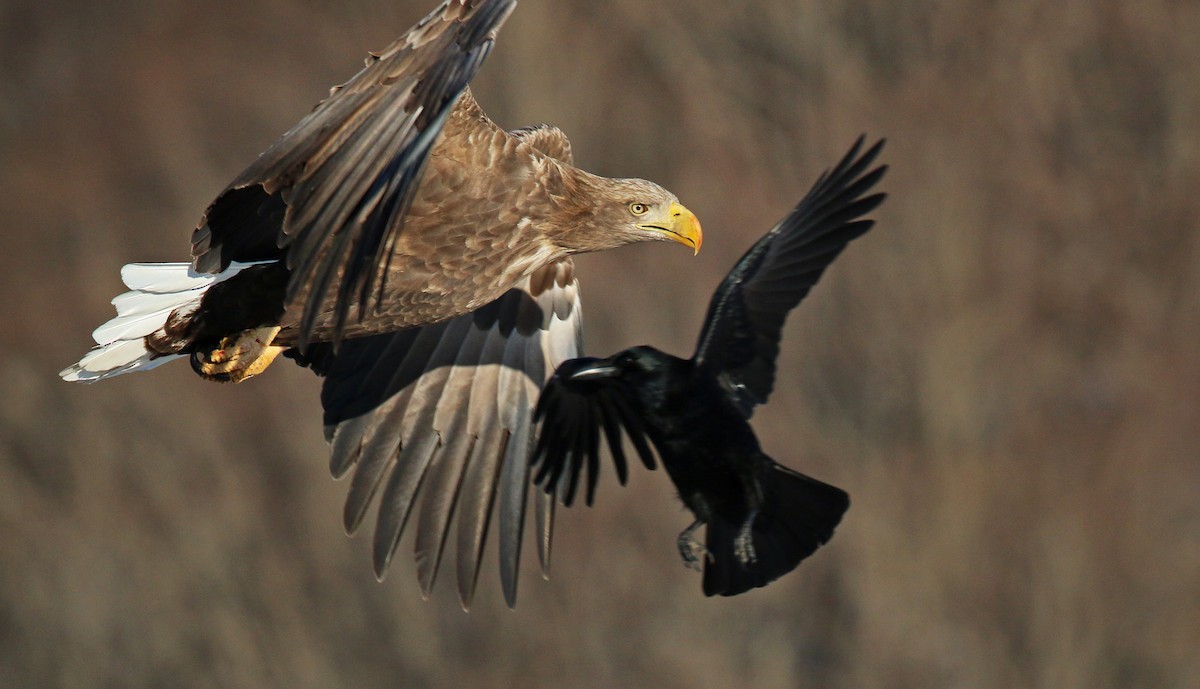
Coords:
488,207
416,255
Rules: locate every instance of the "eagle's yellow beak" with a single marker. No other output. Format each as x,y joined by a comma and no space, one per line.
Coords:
680,225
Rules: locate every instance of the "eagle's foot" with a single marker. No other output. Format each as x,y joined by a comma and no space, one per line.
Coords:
743,543
239,356
691,550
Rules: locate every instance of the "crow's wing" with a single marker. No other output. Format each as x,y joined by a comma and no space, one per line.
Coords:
334,189
740,338
572,416
438,419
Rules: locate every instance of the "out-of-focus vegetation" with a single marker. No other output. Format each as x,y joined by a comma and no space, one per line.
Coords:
1004,373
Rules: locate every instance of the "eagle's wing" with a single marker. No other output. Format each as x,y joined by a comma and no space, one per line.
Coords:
573,413
740,338
437,419
340,182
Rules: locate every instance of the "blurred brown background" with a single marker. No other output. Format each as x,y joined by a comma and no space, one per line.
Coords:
1003,374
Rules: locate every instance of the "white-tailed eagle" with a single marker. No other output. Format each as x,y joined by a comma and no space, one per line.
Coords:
419,257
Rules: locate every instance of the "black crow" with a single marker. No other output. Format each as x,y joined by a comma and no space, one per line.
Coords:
761,518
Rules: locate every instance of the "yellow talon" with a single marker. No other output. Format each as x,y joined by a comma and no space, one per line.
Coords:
240,356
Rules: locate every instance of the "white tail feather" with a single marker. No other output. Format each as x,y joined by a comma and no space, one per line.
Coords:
140,325
156,291
135,303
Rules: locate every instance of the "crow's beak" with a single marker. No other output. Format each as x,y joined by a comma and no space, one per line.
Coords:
600,369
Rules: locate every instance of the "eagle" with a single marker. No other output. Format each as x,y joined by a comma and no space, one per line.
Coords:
418,256
760,517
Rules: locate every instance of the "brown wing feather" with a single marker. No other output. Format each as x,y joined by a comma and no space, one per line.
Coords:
348,171
438,419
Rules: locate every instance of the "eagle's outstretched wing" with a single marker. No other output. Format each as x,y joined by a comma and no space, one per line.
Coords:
340,182
436,421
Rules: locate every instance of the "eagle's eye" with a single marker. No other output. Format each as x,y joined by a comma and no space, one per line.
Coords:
638,208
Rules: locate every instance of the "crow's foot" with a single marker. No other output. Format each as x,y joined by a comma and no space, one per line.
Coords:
691,550
743,544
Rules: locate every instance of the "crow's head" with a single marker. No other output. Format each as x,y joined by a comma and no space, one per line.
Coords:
631,365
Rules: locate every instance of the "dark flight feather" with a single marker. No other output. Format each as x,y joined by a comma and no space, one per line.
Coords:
344,211
744,323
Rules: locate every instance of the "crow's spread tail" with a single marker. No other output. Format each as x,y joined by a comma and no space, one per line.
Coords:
798,517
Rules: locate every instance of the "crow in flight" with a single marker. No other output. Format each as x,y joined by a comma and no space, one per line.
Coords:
761,518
